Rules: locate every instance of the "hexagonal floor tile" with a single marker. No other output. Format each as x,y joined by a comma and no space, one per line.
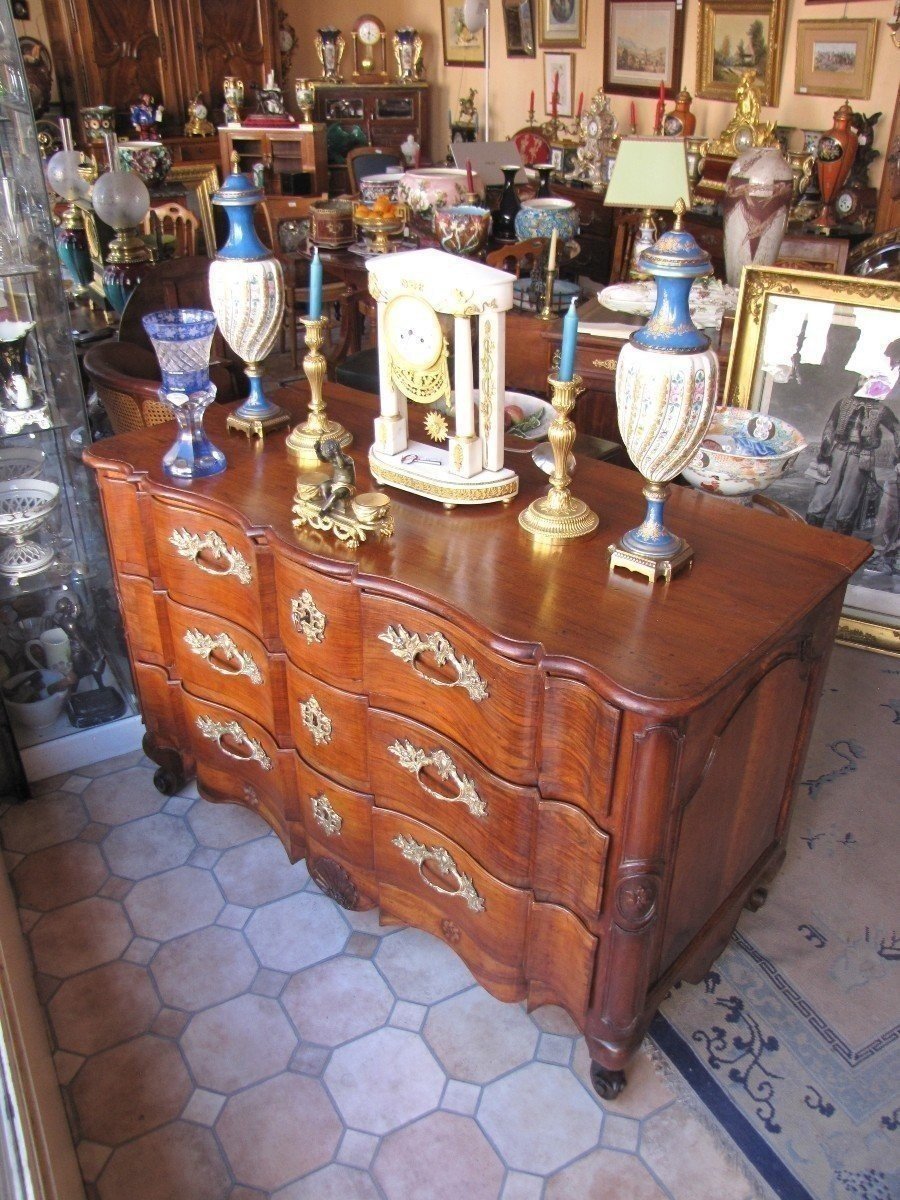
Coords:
237,1043
276,1131
259,872
103,1007
130,1090
443,1157
605,1173
42,822
337,1000
221,826
59,875
477,1037
179,1160
124,796
419,967
80,936
539,1118
203,968
336,1182
147,846
384,1080
295,932
175,902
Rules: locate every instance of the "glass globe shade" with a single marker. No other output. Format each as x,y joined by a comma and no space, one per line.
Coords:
63,175
121,199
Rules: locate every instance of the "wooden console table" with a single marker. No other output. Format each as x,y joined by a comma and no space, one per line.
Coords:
577,780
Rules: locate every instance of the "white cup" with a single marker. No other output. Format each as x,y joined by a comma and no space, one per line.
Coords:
54,651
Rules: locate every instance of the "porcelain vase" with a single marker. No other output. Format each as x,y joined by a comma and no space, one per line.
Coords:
16,392
757,200
834,158
505,216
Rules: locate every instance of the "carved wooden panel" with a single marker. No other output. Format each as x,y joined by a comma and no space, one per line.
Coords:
234,38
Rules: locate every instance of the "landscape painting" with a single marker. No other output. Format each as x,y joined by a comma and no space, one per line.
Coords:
643,47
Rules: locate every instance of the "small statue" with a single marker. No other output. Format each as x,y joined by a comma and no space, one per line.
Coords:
341,487
333,504
269,100
197,123
146,116
467,112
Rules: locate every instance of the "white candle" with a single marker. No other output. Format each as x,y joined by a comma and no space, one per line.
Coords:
270,80
551,261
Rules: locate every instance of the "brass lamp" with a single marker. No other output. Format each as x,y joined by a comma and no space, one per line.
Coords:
649,173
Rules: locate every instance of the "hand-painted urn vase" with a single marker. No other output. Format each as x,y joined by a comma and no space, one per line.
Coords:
539,217
758,195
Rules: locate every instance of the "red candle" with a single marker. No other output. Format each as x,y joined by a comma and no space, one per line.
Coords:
580,103
554,99
470,181
531,103
633,117
660,108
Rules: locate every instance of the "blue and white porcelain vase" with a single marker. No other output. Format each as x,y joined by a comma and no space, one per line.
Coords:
246,288
666,380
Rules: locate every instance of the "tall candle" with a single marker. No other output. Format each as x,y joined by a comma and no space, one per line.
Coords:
580,105
569,340
470,180
551,257
660,108
531,103
633,118
315,286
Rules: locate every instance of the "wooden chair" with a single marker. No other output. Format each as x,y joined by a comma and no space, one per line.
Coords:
532,145
175,222
371,160
520,257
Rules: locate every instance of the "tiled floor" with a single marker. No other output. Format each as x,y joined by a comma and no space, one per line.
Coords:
223,1031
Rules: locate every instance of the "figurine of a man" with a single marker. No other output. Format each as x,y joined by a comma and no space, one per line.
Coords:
341,487
145,116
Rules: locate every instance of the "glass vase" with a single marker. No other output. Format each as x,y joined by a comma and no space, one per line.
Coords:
182,338
505,216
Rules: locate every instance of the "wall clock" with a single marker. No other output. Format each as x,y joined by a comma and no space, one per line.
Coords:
369,49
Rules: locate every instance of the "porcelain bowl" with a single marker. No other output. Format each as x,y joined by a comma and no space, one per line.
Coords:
430,188
463,229
150,160
35,708
743,452
538,218
373,186
23,462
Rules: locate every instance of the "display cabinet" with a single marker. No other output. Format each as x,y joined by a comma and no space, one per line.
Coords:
357,114
63,670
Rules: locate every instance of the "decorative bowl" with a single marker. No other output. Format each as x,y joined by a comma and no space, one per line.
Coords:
20,462
150,161
381,234
429,188
538,218
331,223
463,228
743,452
25,503
97,120
530,424
373,186
29,701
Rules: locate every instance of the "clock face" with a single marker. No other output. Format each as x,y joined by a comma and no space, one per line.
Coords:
845,202
413,332
593,127
368,31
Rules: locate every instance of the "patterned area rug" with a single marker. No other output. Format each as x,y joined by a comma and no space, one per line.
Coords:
792,1038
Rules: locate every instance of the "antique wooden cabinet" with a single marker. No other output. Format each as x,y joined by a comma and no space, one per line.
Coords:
575,779
285,154
385,114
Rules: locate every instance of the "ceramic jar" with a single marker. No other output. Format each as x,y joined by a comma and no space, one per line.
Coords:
373,186
306,97
834,158
539,217
331,223
756,203
97,120
429,188
149,160
463,229
680,122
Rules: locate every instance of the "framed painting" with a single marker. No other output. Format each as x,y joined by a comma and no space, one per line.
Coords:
518,25
643,45
836,58
562,23
462,47
823,353
735,36
559,77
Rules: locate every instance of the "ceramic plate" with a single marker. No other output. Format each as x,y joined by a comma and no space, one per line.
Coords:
531,405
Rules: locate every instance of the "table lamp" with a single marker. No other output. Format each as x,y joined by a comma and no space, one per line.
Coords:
120,198
649,173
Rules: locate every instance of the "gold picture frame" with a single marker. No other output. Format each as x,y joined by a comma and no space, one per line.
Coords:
203,180
810,348
836,58
462,48
562,24
734,35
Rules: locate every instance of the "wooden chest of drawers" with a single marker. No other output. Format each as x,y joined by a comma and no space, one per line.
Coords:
574,779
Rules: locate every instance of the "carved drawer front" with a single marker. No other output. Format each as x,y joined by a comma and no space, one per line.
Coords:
328,727
425,775
223,662
208,564
318,619
238,760
416,663
138,602
338,823
427,879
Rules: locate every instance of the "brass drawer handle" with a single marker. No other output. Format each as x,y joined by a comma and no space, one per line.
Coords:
316,721
419,854
324,815
192,545
605,364
408,647
216,730
204,645
307,619
414,759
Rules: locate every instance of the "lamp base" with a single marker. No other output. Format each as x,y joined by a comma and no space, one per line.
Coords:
651,549
552,522
648,564
258,426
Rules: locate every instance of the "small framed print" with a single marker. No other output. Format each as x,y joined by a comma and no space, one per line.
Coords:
518,25
836,58
559,78
562,23
643,46
462,47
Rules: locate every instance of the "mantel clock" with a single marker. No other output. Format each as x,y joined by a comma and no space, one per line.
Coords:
369,50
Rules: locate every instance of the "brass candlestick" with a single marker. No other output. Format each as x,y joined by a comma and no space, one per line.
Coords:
303,438
559,515
547,313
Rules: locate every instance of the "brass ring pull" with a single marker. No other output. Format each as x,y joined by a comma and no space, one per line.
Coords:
417,853
216,730
204,645
414,759
408,647
192,546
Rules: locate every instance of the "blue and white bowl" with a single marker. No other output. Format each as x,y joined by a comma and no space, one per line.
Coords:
538,218
743,451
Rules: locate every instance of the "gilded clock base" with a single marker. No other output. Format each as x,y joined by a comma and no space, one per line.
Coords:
427,475
646,564
554,522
